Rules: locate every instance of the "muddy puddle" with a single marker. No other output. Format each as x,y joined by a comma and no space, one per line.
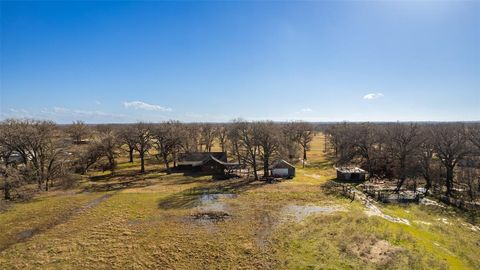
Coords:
215,202
213,207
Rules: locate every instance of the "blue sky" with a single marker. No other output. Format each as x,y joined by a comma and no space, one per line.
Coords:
214,61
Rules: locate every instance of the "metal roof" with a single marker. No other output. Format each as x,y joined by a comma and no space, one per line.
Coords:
350,170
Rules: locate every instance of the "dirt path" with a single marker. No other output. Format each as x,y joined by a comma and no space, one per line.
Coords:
373,210
27,234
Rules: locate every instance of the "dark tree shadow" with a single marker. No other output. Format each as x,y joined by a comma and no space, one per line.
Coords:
191,197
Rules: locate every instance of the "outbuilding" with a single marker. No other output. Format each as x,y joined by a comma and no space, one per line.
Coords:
207,162
282,169
351,174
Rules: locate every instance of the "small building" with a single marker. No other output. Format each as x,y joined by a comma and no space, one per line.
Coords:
206,162
282,169
351,174
14,158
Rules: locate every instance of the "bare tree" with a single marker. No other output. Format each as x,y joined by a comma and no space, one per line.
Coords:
425,157
403,141
366,142
167,140
191,141
128,137
87,158
450,142
289,143
222,132
267,137
248,143
107,145
474,136
143,142
235,141
304,136
10,179
207,134
39,144
77,131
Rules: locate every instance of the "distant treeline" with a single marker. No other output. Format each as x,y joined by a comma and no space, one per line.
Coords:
445,156
442,156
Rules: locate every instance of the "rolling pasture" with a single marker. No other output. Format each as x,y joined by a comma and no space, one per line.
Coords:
176,221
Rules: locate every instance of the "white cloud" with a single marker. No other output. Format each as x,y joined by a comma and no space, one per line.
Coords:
140,105
97,102
307,110
373,96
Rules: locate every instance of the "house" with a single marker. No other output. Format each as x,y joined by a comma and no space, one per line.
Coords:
207,162
351,174
14,158
283,169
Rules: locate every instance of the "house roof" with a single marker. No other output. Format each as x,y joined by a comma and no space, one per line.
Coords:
350,170
226,164
199,158
281,163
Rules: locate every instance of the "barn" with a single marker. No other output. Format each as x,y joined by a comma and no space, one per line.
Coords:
282,169
351,174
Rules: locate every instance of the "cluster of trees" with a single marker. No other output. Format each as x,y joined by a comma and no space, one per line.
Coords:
37,145
42,151
443,154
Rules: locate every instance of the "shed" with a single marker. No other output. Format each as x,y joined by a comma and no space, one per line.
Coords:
14,158
351,174
283,169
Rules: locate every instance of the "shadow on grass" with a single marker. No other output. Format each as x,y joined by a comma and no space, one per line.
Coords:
191,197
117,186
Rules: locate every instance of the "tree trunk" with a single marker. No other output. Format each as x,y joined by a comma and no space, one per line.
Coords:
428,185
167,164
130,154
402,175
265,167
142,162
449,180
400,184
6,190
254,165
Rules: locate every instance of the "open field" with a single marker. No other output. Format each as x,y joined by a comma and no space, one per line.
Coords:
177,221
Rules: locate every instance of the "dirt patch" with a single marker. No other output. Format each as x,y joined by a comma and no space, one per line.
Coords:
300,212
26,234
374,251
214,203
266,226
214,216
97,201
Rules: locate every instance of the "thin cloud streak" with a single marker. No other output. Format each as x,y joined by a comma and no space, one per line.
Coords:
372,96
140,105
